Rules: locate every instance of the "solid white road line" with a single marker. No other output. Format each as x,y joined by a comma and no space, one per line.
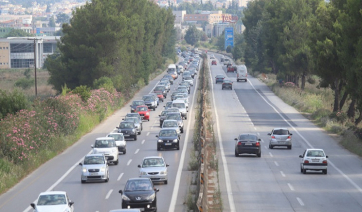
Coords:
129,162
148,134
300,201
290,187
307,142
143,141
276,163
136,151
182,158
109,193
282,173
271,155
120,176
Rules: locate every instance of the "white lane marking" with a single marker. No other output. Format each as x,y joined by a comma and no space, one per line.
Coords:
254,128
224,162
307,142
258,133
182,158
276,163
152,128
143,141
290,187
156,122
262,140
148,134
120,176
136,151
60,179
282,173
109,193
271,155
129,162
300,201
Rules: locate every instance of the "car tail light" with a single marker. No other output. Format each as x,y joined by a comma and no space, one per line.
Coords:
289,137
239,143
257,144
273,136
306,161
246,75
325,161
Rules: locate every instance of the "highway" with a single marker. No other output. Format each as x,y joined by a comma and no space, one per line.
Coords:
274,181
62,173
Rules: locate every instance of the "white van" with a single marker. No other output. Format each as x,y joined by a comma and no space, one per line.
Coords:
241,73
181,105
172,69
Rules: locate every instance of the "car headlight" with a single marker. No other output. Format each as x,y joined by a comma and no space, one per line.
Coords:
147,113
143,173
133,130
160,140
163,172
103,169
174,140
67,210
84,170
151,197
124,197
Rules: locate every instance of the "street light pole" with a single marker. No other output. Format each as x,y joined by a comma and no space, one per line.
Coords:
35,45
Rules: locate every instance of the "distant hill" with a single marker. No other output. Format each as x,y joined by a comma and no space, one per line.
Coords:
28,2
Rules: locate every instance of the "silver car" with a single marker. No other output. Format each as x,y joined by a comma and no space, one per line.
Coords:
280,137
155,168
94,168
120,141
137,123
171,124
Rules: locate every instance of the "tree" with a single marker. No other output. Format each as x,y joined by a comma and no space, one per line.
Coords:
62,18
193,35
51,22
18,33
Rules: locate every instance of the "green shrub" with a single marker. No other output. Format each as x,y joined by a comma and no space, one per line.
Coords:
340,116
104,82
24,83
318,114
311,80
12,102
83,91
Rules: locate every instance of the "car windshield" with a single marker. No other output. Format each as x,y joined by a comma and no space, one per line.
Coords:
174,116
52,199
93,160
117,137
126,125
164,113
168,104
104,144
170,124
188,78
132,119
248,138
142,109
138,185
136,103
132,115
159,88
315,153
168,133
280,132
153,162
219,76
178,105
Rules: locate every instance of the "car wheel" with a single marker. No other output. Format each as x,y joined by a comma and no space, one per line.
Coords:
178,146
148,119
270,146
290,147
185,117
236,154
154,108
116,162
237,80
246,80
106,180
301,169
135,138
182,130
158,148
139,133
304,171
324,171
165,182
83,181
258,155
124,152
222,88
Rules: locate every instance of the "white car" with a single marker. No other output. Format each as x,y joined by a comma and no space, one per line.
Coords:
108,147
54,201
313,159
120,141
94,168
155,168
189,80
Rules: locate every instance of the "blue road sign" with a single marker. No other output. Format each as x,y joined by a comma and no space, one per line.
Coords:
229,37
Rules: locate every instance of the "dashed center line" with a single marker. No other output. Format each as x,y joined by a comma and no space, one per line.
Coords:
282,173
276,163
120,176
137,151
271,155
151,127
109,193
300,201
129,162
148,134
291,187
143,141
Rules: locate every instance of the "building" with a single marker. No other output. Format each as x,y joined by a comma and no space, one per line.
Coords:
179,16
18,52
211,17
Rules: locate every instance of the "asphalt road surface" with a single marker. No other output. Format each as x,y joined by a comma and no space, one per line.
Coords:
274,181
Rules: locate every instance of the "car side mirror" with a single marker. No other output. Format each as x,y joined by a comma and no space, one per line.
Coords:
80,164
290,134
32,205
92,146
167,165
122,119
71,203
156,136
139,166
156,189
269,133
326,156
235,139
120,191
259,139
116,127
300,156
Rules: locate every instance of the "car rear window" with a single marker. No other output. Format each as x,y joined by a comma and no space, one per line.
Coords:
281,132
247,138
315,153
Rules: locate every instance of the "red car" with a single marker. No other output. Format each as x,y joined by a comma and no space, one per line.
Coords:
144,112
213,62
231,68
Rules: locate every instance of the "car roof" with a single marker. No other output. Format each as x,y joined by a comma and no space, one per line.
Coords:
134,113
96,154
127,122
170,120
178,101
315,149
53,192
139,178
115,133
152,157
280,128
164,129
247,134
104,138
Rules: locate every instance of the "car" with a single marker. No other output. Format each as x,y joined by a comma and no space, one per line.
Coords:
128,129
213,62
222,58
182,90
230,68
162,116
314,160
227,84
227,61
161,89
172,70
182,106
176,116
155,97
165,83
184,86
169,77
174,94
280,137
241,73
247,143
135,114
168,105
136,103
138,124
120,142
212,57
139,193
154,168
94,168
150,101
54,201
219,78
160,96
187,84
144,112
168,139
189,79
172,124
108,147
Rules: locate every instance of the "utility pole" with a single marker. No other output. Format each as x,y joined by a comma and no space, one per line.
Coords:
35,45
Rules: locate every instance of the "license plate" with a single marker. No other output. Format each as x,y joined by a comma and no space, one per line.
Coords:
92,174
126,135
248,144
315,160
168,144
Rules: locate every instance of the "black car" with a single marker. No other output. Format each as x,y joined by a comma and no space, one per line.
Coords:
128,129
162,116
168,139
227,84
139,193
136,103
150,102
247,143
